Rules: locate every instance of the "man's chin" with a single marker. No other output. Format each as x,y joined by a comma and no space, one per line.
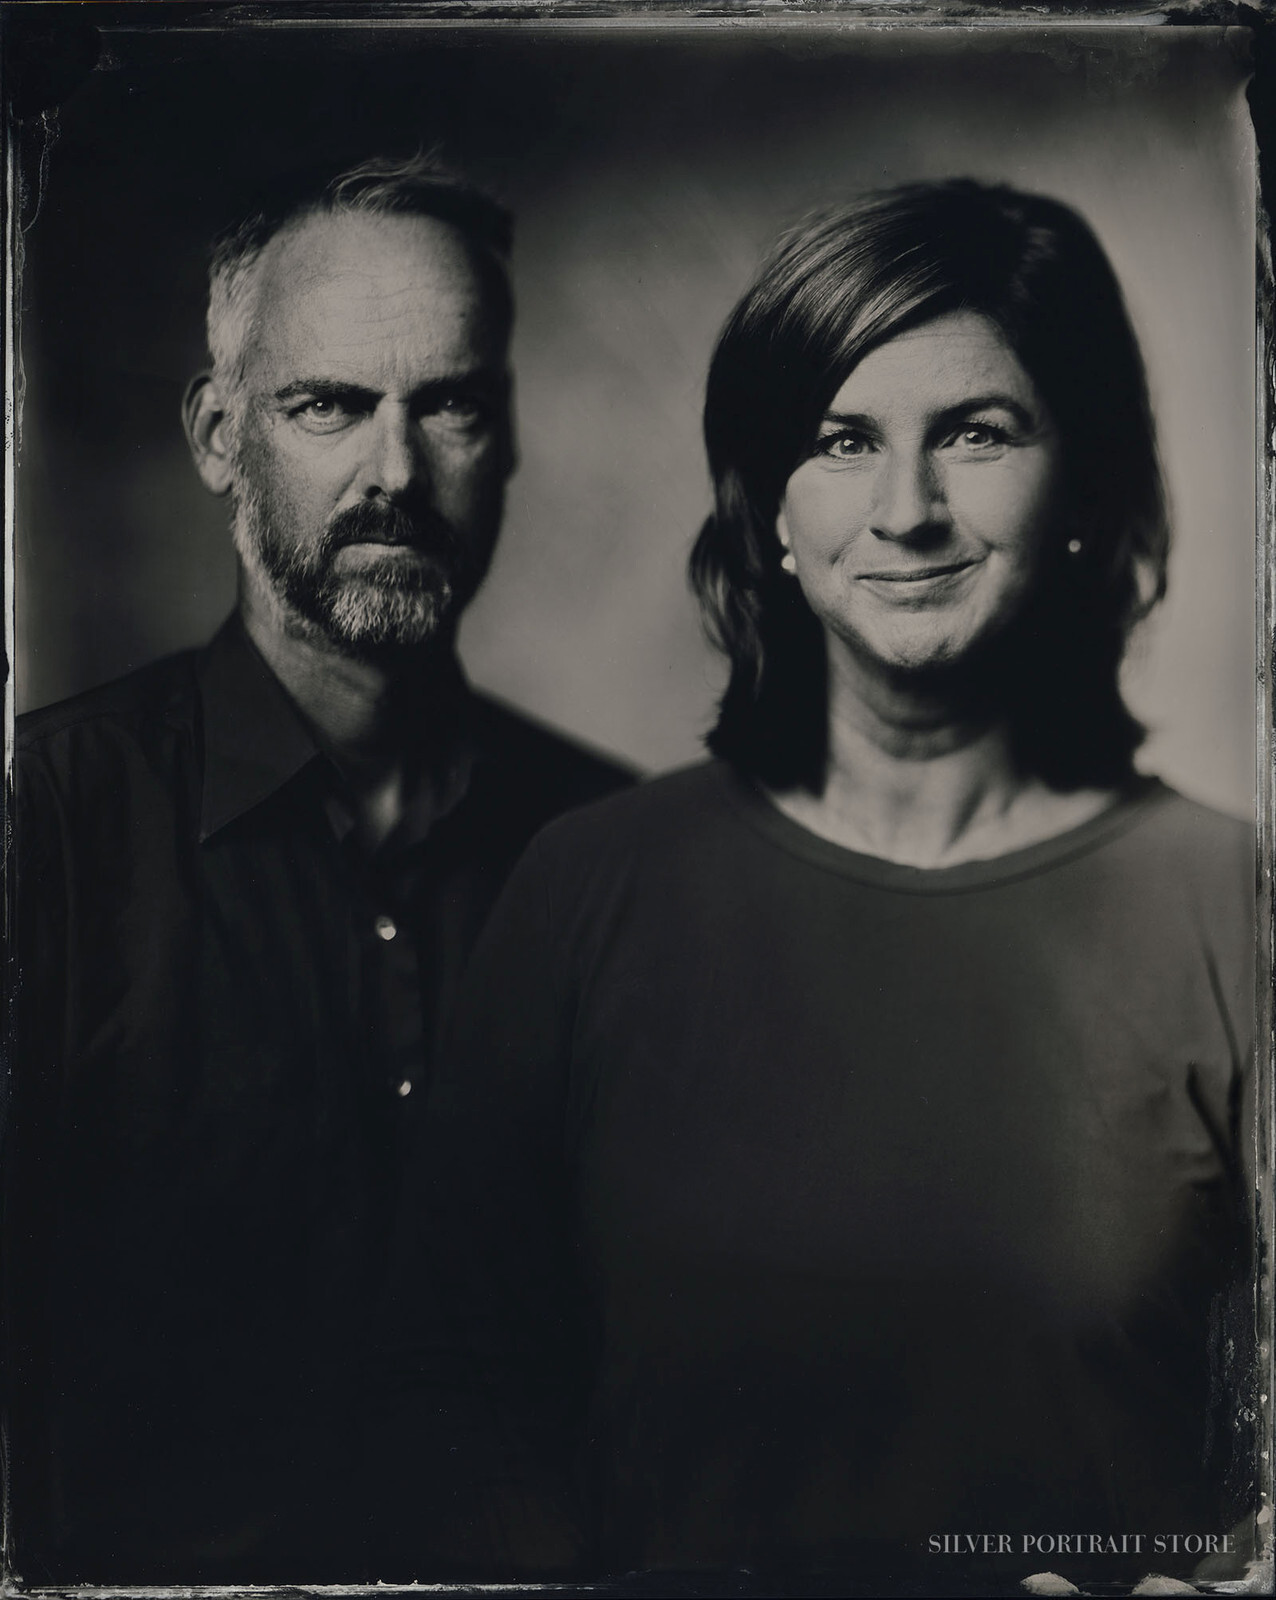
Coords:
369,619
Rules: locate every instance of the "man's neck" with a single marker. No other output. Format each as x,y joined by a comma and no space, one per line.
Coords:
373,717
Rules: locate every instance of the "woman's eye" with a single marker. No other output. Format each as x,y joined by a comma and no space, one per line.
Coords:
843,446
980,436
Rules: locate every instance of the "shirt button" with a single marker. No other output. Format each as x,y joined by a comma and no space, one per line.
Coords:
385,928
405,1088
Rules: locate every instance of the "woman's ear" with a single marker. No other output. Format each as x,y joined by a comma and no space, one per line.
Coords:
788,561
207,425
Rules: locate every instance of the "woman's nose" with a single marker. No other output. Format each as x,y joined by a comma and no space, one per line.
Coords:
397,460
909,501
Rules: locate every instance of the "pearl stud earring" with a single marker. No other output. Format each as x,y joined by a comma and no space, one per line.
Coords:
789,562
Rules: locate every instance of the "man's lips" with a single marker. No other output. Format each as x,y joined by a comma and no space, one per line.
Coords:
394,541
382,527
387,546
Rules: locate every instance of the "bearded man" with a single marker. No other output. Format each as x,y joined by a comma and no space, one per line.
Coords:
248,878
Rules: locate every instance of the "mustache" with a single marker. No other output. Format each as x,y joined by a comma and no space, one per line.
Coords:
390,522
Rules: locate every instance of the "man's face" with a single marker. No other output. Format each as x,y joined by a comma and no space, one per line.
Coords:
371,431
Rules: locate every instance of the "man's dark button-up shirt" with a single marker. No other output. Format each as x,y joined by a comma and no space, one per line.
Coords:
224,1011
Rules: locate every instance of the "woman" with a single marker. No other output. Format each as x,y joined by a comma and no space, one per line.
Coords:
860,1113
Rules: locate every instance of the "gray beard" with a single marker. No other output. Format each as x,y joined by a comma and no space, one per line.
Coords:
384,606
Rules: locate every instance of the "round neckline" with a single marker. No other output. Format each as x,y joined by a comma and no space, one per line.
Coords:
766,818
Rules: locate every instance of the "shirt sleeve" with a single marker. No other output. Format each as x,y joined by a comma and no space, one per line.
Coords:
490,1329
34,1179
1229,901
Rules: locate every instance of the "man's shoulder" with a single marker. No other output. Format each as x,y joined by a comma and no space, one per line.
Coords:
129,707
112,753
549,768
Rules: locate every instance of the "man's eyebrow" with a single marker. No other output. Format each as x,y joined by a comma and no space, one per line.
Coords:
325,389
491,379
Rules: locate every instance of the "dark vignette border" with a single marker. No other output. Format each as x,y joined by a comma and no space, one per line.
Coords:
48,48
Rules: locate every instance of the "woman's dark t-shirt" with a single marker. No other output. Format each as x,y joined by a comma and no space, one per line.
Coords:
905,1203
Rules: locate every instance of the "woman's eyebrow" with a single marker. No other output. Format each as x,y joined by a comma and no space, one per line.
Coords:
989,402
849,419
960,408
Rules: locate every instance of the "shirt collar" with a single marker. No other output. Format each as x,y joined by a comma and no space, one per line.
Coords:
439,792
255,741
254,738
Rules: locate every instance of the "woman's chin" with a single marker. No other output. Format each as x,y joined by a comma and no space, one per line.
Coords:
922,650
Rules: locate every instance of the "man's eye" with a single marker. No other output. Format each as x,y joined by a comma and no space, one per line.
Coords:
322,414
843,446
460,410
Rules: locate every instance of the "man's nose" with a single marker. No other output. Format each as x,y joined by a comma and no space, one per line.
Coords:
909,503
397,459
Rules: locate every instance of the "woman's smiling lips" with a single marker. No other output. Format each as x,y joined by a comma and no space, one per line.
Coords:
908,585
915,574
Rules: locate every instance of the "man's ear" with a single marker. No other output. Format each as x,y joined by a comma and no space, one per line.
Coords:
208,433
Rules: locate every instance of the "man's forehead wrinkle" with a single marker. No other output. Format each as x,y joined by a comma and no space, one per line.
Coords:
404,311
375,352
346,299
342,245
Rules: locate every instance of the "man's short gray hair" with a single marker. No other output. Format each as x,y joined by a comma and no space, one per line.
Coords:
418,186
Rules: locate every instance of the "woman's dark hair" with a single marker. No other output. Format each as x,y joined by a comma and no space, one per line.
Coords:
832,291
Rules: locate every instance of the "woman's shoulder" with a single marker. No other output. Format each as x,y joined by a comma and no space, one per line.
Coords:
647,846
1196,837
656,812
1201,860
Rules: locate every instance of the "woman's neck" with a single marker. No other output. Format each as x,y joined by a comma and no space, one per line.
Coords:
924,774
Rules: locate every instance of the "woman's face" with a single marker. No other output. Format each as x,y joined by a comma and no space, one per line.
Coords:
920,519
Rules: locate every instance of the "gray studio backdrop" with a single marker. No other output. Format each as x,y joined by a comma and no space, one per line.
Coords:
648,168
